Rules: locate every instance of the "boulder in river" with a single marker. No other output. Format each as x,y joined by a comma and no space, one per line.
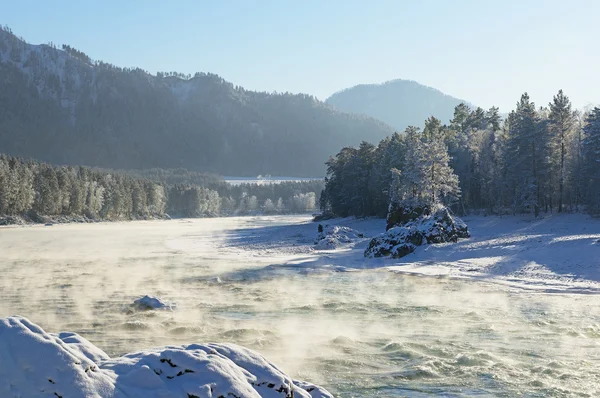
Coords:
436,226
152,303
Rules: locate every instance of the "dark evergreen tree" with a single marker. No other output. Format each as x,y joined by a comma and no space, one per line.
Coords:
561,124
591,152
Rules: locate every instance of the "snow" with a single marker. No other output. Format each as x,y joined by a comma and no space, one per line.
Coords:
40,364
152,303
555,253
336,236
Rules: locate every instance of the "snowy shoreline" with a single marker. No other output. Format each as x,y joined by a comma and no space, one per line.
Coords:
555,253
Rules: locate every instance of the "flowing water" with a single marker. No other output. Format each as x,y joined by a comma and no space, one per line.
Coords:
368,333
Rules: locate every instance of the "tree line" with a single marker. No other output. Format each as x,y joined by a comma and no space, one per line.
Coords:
536,159
33,189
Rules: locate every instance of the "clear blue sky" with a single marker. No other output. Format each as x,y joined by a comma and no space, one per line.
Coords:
487,52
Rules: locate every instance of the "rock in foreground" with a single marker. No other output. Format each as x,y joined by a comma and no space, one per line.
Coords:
333,236
34,363
438,226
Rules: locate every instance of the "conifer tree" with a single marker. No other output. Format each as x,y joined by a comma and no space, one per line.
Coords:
591,152
562,119
522,155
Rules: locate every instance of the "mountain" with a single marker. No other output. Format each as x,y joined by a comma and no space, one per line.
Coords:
59,106
399,103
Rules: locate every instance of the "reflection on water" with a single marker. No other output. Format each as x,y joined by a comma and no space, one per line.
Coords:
360,334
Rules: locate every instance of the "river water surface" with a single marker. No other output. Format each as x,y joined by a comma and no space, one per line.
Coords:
368,333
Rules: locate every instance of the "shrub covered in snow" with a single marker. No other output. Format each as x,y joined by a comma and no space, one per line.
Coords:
333,236
438,226
34,363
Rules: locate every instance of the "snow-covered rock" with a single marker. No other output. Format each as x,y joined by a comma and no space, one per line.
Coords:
152,303
333,236
34,363
442,227
399,241
399,215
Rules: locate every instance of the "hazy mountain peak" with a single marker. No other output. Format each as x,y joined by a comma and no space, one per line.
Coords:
399,103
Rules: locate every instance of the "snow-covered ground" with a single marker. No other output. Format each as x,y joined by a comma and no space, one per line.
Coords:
38,364
554,253
499,314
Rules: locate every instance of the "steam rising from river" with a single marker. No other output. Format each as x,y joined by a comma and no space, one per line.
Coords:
363,334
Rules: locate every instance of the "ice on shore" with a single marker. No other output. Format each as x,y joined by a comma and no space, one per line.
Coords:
34,363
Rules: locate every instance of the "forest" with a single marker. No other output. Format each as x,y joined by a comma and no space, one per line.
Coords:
35,190
60,106
537,159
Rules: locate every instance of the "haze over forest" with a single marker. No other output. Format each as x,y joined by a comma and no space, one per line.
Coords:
88,112
93,113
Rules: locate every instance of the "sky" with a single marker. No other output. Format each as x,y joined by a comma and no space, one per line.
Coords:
485,52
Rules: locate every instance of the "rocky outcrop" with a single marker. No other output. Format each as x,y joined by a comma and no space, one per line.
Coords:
331,237
398,241
399,215
34,363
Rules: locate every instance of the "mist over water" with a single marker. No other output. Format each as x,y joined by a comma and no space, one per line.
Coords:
367,333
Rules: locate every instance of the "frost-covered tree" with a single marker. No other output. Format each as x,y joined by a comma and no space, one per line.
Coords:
561,124
269,207
426,177
389,155
279,206
411,172
303,202
591,152
522,154
438,181
228,205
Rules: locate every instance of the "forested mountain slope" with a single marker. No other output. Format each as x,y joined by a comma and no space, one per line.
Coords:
399,103
58,105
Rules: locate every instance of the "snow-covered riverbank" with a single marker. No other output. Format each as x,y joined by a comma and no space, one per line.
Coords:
554,253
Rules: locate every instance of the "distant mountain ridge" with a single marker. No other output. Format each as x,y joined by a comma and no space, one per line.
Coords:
58,105
399,103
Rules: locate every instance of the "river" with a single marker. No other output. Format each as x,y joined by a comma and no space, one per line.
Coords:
366,333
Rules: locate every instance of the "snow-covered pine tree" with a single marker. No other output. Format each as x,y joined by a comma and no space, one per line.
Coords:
522,155
561,123
591,152
426,177
439,181
411,175
389,155
576,162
